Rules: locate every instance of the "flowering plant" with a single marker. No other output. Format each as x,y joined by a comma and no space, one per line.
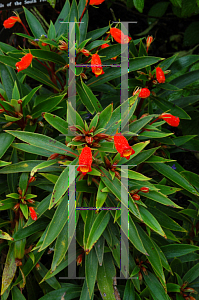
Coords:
119,156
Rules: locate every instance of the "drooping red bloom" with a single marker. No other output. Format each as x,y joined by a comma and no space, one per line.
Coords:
85,160
144,93
122,146
79,259
160,75
119,36
33,213
105,46
10,22
96,65
24,63
170,119
148,42
95,2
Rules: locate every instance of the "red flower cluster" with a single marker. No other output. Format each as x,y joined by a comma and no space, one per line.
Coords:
10,22
160,75
85,160
119,36
24,63
96,65
122,146
170,119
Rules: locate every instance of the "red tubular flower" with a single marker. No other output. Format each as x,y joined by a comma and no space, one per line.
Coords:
95,2
33,213
10,22
24,63
170,119
44,44
119,36
85,160
144,93
122,146
96,65
148,42
160,75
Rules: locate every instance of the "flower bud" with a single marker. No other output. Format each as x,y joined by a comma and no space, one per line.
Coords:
19,191
83,76
37,266
2,110
140,275
20,115
16,207
96,145
148,42
41,123
29,117
79,259
31,201
85,52
19,101
136,197
78,138
53,156
144,189
7,124
89,139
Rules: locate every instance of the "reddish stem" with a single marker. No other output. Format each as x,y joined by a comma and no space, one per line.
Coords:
25,28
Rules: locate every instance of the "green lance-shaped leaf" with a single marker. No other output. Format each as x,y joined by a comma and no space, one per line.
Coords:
4,163
154,256
91,97
129,293
71,290
16,294
57,223
73,117
104,278
26,99
85,292
171,108
176,250
159,197
61,247
140,123
46,105
165,221
115,187
99,248
151,221
101,197
133,232
52,281
192,274
57,122
104,116
5,236
9,270
5,142
32,149
91,266
42,165
34,24
174,176
43,142
155,287
61,185
97,228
